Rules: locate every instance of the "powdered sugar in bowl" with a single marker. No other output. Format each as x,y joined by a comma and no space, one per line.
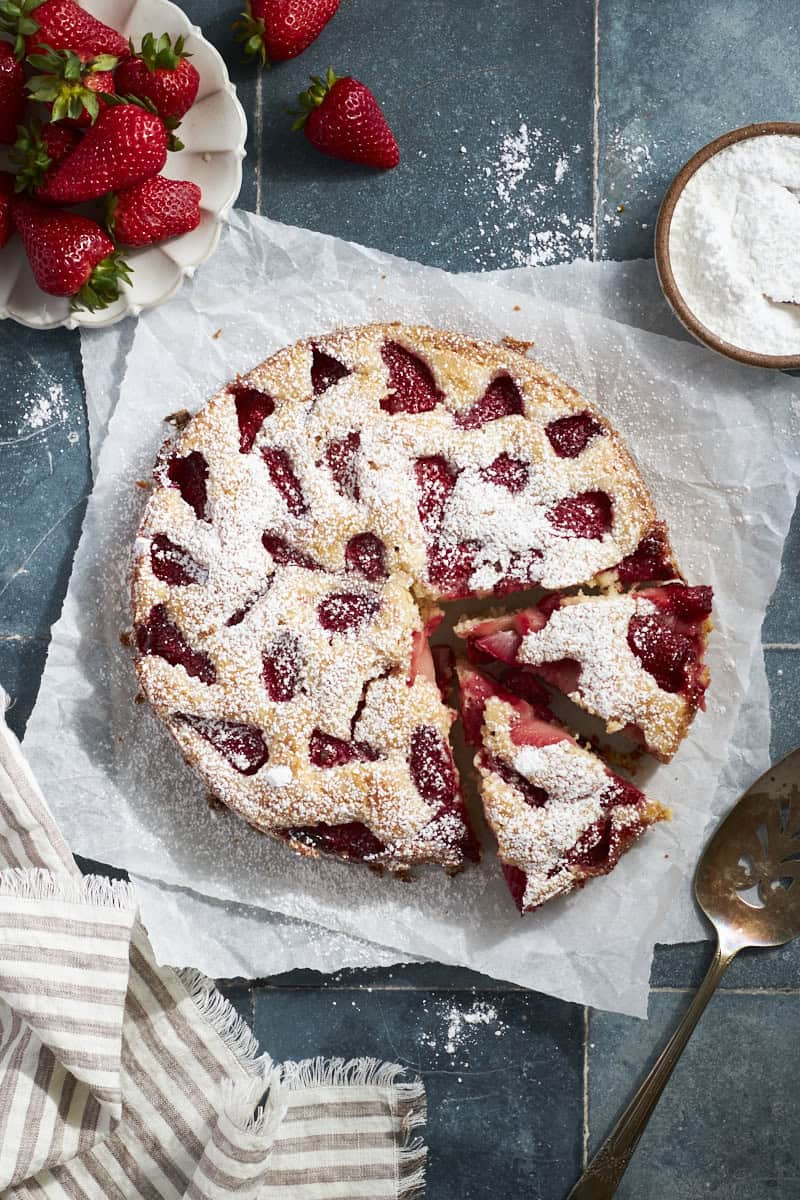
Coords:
727,245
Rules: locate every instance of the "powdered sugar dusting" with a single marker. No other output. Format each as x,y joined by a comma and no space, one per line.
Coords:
39,411
613,683
461,1025
520,181
514,160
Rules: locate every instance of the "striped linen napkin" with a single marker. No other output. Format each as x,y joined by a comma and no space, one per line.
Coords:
123,1079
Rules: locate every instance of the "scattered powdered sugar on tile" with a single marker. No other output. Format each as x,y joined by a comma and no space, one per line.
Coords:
37,411
631,180
514,160
523,179
46,409
635,157
461,1024
461,1027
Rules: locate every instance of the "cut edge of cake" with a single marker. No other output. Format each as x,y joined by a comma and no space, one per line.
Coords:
560,816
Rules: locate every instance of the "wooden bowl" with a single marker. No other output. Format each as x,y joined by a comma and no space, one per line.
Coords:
664,267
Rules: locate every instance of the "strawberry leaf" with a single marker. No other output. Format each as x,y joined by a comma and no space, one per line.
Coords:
102,286
313,97
161,54
250,31
140,101
44,87
62,83
103,62
110,213
16,19
29,154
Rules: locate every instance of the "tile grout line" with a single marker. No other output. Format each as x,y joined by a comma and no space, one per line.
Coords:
596,134
730,991
258,134
474,990
585,1147
498,989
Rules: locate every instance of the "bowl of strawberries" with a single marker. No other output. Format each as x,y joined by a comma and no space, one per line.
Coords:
121,147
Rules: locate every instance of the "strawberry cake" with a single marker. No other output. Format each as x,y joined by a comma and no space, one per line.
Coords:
302,532
559,814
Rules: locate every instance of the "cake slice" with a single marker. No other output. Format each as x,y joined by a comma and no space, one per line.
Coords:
634,660
559,814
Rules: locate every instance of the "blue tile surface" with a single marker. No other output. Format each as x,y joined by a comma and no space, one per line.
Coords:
240,995
782,623
727,1125
401,976
44,471
461,92
503,1073
21,664
494,108
672,77
783,672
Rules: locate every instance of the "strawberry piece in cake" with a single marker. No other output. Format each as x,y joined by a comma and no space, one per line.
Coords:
652,561
559,814
634,660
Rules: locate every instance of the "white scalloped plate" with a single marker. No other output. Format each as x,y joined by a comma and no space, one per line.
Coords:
213,132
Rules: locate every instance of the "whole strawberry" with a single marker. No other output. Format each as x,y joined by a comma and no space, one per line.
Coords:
12,94
38,151
61,25
71,86
69,255
125,145
6,195
161,73
274,30
340,116
154,210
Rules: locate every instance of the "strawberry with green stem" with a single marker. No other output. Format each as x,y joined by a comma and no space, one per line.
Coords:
341,117
70,255
61,25
71,86
38,150
154,210
275,30
12,94
126,145
161,73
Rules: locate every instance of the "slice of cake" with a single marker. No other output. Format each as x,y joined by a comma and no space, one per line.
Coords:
559,814
635,660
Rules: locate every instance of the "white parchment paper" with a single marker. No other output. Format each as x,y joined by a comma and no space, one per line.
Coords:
718,446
